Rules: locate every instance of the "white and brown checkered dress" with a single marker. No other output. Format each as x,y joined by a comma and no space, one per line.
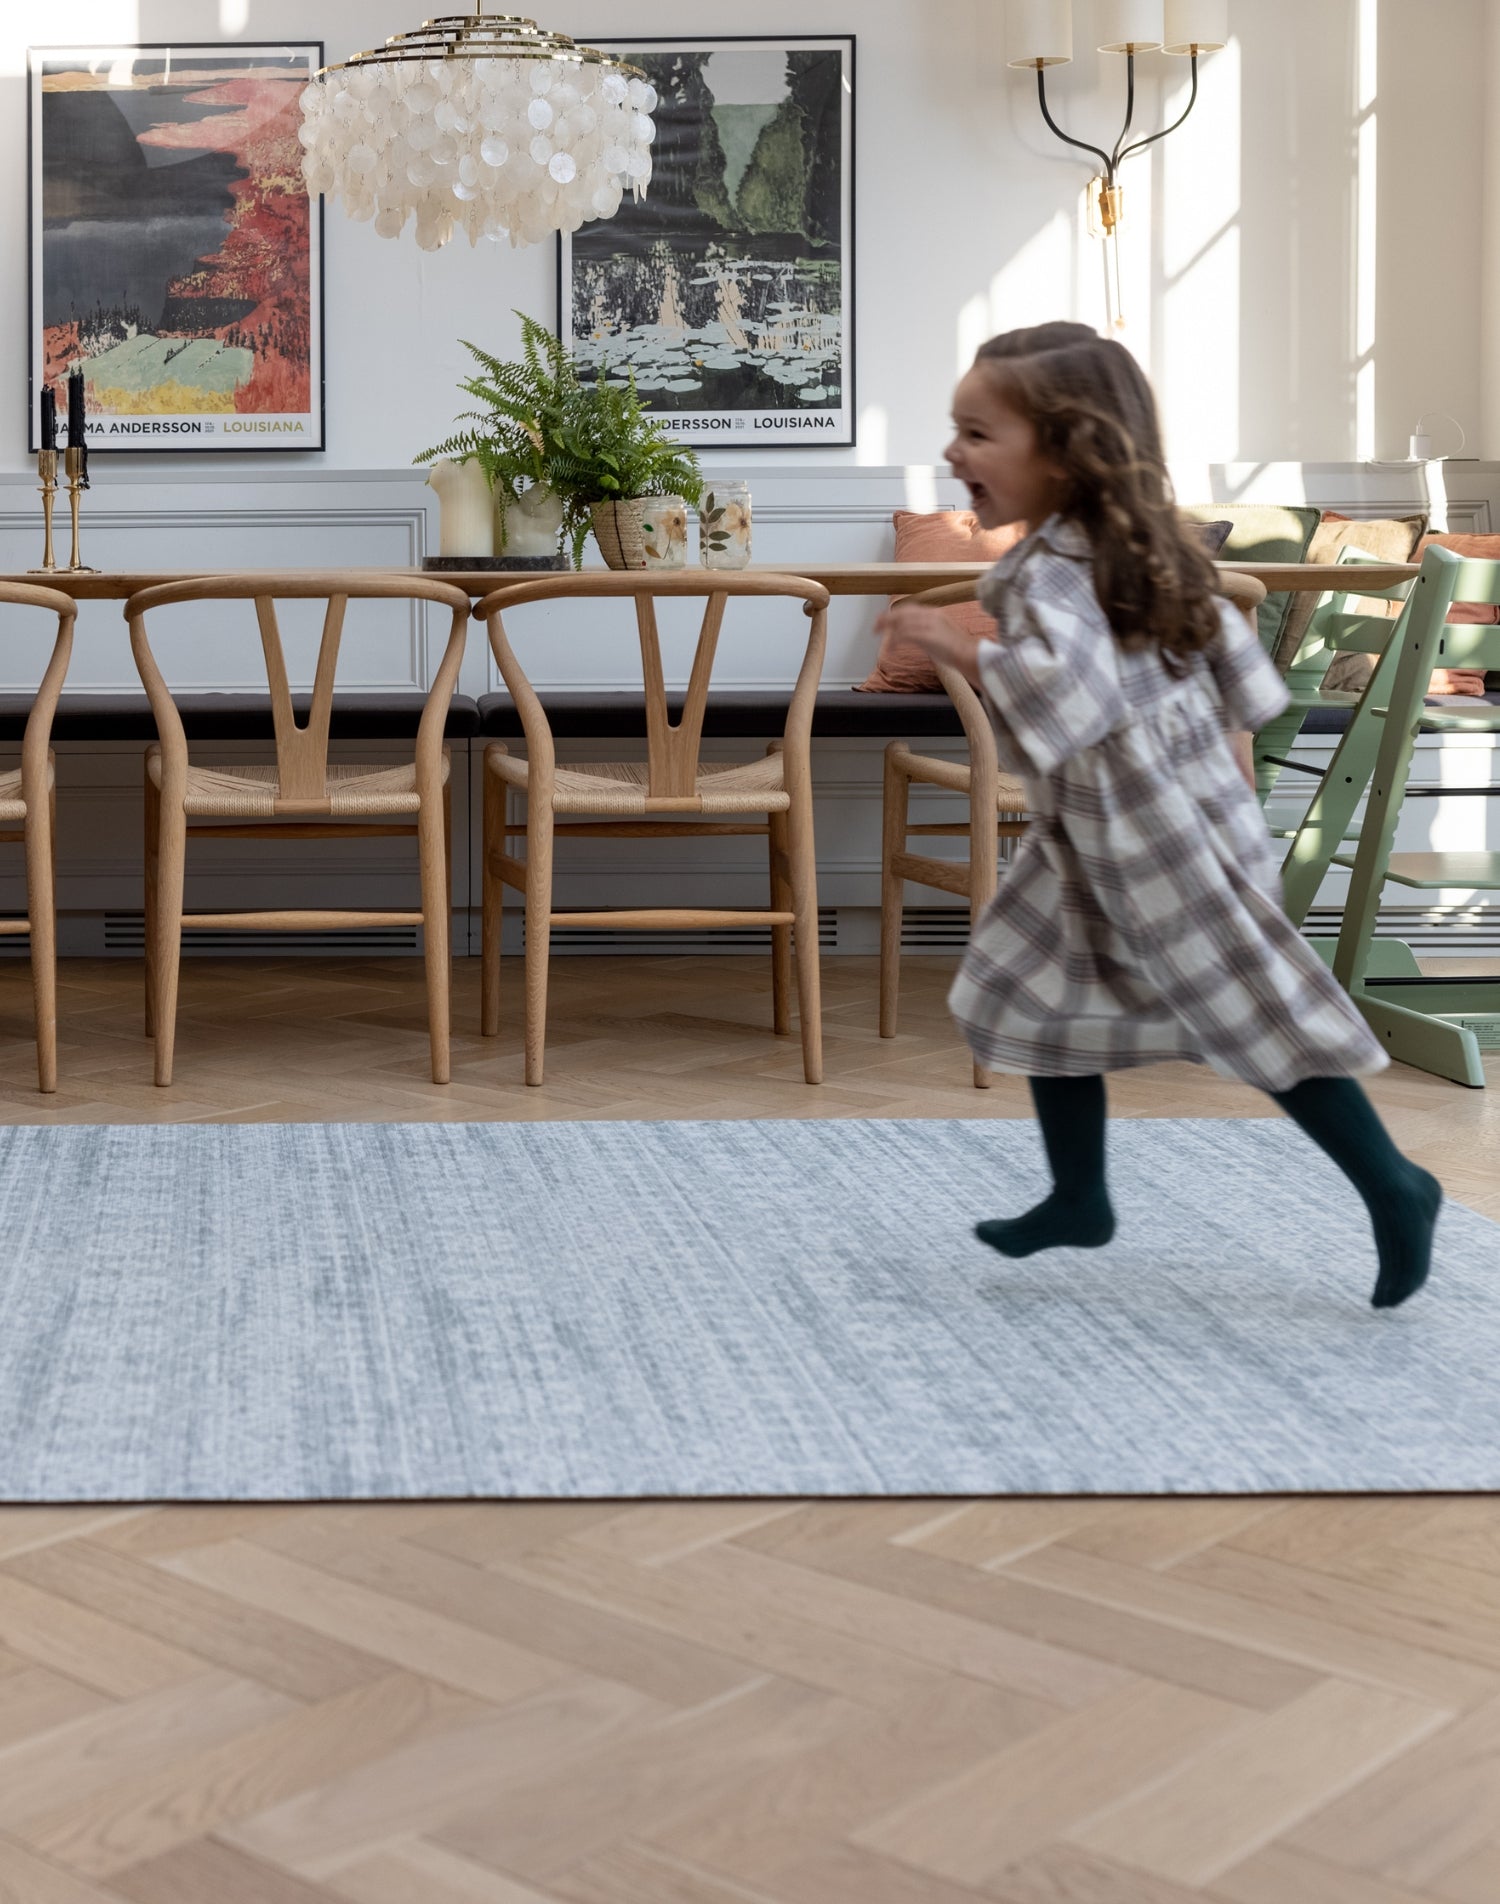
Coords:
1141,918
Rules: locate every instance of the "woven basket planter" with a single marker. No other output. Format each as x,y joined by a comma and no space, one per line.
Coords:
617,530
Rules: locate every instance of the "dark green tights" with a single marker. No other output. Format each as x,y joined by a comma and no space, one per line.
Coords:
1401,1197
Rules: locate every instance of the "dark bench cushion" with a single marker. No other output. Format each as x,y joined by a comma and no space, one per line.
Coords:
1333,720
759,713
102,717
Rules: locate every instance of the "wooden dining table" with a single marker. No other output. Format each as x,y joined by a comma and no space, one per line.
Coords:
839,578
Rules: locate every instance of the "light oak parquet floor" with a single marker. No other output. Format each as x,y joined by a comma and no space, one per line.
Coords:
1255,1701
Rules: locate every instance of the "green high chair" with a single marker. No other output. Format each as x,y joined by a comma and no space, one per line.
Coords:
1439,1025
1333,627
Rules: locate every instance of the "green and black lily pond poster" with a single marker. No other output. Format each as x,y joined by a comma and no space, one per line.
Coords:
727,287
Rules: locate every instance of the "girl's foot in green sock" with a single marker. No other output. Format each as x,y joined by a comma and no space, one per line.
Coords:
1070,1113
1401,1197
1404,1222
1060,1222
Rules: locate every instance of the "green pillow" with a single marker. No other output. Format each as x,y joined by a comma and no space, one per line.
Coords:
1263,532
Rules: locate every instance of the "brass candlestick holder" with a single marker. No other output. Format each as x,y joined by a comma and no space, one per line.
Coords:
73,463
46,469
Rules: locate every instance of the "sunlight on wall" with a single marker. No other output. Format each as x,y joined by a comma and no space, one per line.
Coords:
234,15
1025,290
874,433
1365,261
921,487
108,21
1195,349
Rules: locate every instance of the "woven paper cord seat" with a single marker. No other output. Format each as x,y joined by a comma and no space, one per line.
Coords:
753,786
12,806
251,793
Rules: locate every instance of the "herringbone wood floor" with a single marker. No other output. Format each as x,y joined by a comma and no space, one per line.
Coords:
872,1702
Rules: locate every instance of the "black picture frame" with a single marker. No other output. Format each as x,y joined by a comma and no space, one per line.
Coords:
157,431
712,420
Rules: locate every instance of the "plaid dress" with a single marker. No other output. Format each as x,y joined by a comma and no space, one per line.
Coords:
1141,917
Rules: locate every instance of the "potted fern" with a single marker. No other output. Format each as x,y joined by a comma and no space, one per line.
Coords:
515,437
588,452
616,460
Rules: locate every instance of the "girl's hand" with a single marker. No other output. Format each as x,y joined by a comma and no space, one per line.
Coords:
1242,745
930,630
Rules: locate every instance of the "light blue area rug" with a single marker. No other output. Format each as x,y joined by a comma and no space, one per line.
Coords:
617,1309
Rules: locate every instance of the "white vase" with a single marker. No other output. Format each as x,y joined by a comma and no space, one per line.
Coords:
533,524
467,509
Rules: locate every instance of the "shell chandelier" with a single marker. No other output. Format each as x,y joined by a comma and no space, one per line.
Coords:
481,123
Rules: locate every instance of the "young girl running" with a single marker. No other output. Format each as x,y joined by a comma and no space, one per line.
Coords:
1141,918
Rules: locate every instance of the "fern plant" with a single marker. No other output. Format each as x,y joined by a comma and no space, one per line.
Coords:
516,437
615,450
589,443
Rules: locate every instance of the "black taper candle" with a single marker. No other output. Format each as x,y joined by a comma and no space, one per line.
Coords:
77,429
49,418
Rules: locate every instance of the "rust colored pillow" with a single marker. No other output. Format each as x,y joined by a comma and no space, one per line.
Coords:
1484,548
950,535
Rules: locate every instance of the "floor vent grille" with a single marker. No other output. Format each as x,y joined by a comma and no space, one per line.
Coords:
1452,932
596,941
934,928
125,932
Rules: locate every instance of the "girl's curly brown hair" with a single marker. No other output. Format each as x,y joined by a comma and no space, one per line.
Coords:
1095,419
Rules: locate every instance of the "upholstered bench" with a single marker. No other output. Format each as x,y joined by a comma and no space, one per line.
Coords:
1333,720
733,714
210,717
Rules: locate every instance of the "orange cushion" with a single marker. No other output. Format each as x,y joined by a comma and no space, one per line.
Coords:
951,535
1484,548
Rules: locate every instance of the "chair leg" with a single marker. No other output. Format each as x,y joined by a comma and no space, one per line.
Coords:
171,870
781,936
41,907
150,863
983,879
893,814
431,840
803,867
448,833
538,932
492,889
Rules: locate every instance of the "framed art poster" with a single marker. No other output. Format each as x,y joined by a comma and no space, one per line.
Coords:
175,253
728,288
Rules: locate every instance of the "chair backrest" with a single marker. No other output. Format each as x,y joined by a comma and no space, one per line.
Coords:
976,722
1429,640
672,747
39,721
1337,626
301,747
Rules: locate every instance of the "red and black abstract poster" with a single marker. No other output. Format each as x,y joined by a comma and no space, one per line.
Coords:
175,254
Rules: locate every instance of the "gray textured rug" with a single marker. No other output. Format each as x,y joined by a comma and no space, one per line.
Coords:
620,1309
